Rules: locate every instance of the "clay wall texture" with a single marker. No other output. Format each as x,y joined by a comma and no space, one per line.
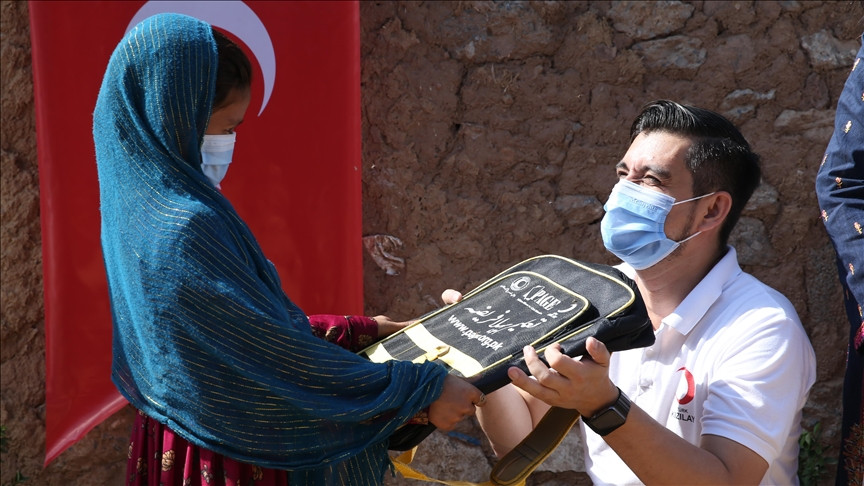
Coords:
490,132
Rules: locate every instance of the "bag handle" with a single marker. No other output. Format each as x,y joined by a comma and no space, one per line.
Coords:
514,468
516,465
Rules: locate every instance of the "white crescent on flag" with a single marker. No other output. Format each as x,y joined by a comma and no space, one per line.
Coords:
233,16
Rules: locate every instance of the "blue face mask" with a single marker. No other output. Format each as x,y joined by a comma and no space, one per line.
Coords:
633,227
216,153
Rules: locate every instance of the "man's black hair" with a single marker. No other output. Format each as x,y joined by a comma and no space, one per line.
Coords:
720,159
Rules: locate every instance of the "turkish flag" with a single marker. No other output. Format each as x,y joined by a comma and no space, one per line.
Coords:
295,178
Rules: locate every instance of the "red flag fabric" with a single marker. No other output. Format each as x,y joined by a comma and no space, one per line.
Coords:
295,178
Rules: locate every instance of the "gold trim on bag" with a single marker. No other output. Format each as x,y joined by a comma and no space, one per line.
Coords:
433,346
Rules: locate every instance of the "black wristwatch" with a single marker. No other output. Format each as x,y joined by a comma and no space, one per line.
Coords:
609,419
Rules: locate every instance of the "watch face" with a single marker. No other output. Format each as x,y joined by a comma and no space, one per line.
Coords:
611,418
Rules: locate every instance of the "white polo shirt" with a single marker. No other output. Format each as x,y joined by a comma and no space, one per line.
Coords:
732,360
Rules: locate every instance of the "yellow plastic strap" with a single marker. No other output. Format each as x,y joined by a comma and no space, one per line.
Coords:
401,464
456,359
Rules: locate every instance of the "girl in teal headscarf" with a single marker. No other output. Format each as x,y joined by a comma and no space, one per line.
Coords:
232,383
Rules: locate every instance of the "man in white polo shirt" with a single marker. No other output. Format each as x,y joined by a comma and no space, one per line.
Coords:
718,398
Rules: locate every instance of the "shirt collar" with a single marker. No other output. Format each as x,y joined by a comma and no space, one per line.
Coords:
694,307
691,310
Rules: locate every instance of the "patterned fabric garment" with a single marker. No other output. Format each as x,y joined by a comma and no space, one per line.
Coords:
840,190
160,457
204,340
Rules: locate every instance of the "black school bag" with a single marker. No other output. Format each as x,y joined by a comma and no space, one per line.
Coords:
540,301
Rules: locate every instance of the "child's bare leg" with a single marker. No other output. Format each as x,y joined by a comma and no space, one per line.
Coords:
508,416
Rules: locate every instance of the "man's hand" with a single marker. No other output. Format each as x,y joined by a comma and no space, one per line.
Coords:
580,384
456,403
584,385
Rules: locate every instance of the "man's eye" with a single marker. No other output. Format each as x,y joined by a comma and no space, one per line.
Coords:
651,181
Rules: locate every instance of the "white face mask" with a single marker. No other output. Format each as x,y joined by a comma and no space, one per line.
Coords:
216,152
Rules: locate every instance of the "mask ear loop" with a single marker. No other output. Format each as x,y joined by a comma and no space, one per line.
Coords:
694,235
693,199
688,200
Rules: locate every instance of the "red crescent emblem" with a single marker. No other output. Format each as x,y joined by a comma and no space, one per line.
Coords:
686,387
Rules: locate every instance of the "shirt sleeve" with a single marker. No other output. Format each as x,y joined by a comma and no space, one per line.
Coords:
350,332
840,191
760,383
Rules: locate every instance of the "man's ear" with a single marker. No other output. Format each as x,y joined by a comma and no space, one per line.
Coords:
716,207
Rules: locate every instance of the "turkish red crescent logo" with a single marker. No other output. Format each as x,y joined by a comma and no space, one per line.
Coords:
686,386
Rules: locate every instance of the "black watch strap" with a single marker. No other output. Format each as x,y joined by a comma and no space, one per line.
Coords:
610,418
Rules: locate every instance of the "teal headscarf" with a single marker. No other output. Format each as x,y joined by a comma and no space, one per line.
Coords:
205,340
